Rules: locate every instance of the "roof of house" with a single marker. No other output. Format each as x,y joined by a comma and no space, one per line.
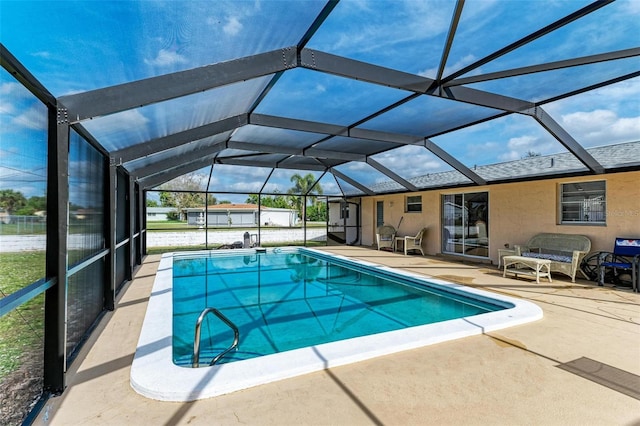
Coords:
625,154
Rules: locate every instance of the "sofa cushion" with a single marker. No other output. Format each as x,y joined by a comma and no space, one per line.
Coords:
549,256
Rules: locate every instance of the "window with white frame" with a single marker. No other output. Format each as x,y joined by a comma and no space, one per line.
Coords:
413,204
583,203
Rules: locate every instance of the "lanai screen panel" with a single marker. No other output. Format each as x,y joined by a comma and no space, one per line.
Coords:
349,190
310,95
429,115
275,137
355,145
369,177
330,186
194,181
403,35
245,179
481,145
297,182
542,86
105,43
121,130
410,161
605,116
486,27
206,146
610,28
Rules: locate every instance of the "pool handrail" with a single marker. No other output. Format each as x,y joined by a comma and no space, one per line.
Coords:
196,340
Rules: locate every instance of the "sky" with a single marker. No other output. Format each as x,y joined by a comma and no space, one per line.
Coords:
75,46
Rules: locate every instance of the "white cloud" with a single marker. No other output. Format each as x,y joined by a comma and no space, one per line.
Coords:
123,121
42,54
518,147
33,118
7,108
166,58
448,69
410,161
13,90
630,7
601,127
233,26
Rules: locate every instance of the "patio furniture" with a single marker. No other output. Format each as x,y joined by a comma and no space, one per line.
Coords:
528,266
565,251
504,252
412,242
385,237
625,257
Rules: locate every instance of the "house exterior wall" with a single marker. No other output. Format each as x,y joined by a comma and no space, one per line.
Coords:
243,218
156,217
517,211
284,217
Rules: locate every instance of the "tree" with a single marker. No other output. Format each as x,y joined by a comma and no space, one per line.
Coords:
190,195
34,204
317,212
530,154
11,200
152,203
304,185
277,201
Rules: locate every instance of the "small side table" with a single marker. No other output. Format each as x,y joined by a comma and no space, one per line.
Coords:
505,252
395,243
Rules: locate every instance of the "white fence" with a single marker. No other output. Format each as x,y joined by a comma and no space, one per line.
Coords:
197,238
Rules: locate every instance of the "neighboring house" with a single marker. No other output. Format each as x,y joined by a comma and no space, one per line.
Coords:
157,214
237,215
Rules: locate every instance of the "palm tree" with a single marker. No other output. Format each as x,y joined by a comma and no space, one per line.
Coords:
304,185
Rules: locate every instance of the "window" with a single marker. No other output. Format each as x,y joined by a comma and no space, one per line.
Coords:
583,202
414,204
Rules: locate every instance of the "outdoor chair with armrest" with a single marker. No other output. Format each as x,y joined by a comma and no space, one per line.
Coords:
625,257
385,237
415,243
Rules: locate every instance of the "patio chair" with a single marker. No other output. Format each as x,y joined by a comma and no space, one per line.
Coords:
625,257
385,237
415,243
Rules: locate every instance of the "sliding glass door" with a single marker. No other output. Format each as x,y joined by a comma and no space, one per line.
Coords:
465,224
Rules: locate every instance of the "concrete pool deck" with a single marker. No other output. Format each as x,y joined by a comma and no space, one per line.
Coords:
579,365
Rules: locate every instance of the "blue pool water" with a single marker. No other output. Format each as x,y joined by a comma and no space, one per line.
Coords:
286,299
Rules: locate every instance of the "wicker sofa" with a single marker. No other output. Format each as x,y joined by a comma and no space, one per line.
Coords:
565,251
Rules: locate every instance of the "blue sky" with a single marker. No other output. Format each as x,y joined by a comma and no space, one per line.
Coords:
74,46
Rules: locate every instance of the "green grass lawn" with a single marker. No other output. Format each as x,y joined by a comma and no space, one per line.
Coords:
22,328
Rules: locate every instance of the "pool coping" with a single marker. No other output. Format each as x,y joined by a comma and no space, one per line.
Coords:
154,375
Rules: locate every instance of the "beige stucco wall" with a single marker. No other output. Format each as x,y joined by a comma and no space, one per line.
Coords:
517,211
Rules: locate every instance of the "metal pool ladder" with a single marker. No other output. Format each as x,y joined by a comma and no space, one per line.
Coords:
196,341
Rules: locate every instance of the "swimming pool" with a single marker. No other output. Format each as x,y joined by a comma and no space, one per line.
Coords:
333,304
